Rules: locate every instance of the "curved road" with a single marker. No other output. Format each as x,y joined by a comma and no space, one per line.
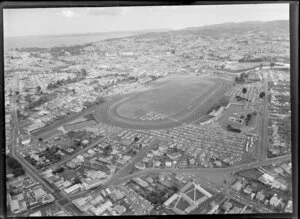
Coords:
118,179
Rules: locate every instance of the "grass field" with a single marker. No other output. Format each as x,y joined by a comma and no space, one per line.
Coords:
50,134
168,97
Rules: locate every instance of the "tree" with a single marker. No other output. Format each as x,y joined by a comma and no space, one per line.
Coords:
49,86
244,90
262,94
100,100
28,97
38,89
83,72
248,118
40,139
272,64
230,128
18,113
136,139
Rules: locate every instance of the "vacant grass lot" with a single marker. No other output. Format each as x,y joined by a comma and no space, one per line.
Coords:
168,96
50,134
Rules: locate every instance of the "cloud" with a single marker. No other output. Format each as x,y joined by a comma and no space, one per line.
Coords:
68,13
112,11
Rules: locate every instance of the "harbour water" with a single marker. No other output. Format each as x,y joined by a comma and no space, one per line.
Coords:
63,40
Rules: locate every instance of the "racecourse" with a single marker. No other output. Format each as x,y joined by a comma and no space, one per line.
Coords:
188,110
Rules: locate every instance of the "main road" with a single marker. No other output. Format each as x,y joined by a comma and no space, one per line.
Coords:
29,169
263,125
124,174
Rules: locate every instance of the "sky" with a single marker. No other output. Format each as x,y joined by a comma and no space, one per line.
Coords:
59,21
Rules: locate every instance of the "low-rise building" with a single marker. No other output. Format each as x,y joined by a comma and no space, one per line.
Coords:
248,190
237,185
289,207
168,164
260,196
98,211
73,188
227,205
156,163
140,182
274,201
174,156
120,209
140,165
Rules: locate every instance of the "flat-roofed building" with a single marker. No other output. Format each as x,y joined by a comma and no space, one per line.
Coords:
171,199
120,209
14,206
73,188
98,211
39,193
36,214
289,207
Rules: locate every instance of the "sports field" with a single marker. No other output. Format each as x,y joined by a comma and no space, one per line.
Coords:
167,97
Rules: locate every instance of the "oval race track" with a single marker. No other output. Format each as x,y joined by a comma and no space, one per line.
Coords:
107,112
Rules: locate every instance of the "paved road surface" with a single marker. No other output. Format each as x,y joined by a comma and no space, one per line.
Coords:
29,169
243,167
263,126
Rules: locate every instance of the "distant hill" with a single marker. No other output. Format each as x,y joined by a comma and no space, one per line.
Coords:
280,25
217,29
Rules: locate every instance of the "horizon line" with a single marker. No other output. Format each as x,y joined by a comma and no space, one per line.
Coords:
137,30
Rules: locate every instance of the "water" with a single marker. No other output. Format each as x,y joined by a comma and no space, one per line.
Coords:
52,41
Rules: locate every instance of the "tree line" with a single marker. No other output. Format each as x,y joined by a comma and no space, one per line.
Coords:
69,80
16,167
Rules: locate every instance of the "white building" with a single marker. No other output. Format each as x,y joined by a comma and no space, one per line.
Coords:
274,201
289,207
168,164
73,188
14,206
171,199
98,211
